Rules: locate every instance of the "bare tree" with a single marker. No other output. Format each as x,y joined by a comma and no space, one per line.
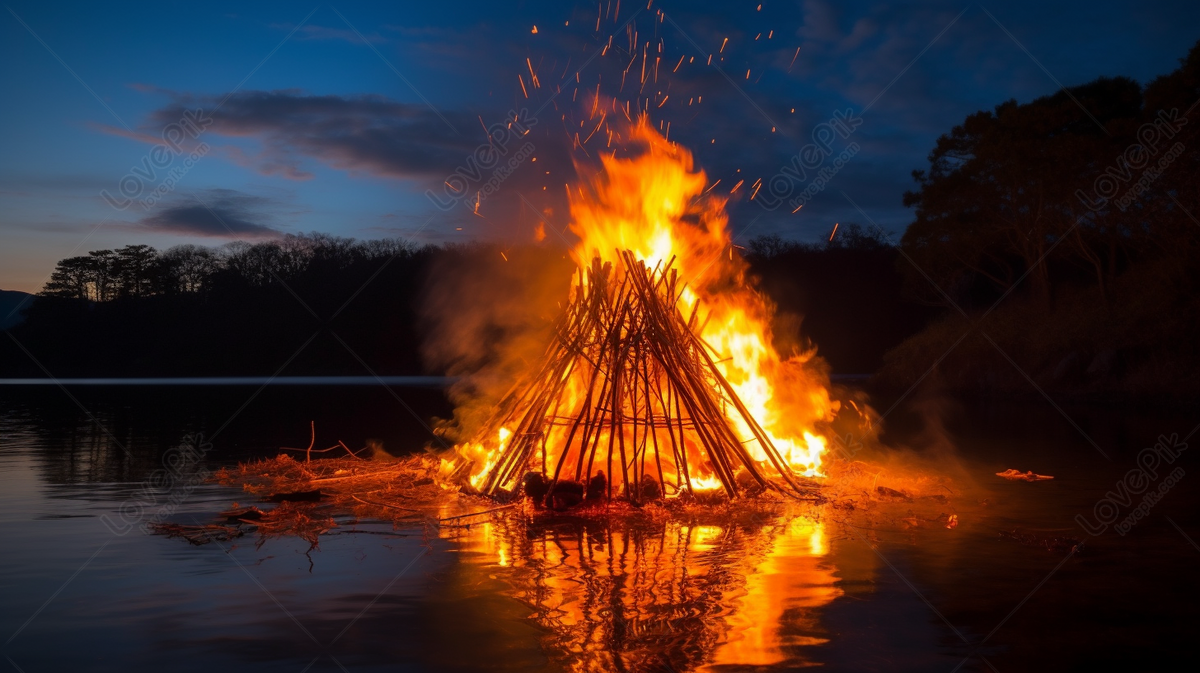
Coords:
189,268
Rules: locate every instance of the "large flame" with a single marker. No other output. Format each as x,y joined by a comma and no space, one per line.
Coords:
656,205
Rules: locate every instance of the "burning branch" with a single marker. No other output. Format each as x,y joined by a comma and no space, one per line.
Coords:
626,379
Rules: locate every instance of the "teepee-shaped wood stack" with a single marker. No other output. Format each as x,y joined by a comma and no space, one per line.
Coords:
653,407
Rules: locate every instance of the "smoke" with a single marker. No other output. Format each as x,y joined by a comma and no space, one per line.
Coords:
916,454
490,312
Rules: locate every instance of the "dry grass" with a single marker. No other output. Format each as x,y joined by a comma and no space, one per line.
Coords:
412,492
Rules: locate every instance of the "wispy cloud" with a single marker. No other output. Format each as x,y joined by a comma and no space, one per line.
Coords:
368,134
217,213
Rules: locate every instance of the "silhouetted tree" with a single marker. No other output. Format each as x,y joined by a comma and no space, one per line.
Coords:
188,268
853,236
71,279
136,267
770,245
999,194
1170,217
104,272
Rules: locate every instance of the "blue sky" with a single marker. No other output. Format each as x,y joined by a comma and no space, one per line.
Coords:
338,118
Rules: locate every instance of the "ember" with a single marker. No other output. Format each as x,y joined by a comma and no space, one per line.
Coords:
1017,475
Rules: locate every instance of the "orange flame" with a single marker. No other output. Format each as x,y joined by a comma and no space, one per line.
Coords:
651,205
657,206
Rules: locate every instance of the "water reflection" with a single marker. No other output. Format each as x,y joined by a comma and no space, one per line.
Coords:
787,590
662,596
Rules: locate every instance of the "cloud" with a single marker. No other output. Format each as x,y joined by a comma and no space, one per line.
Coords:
288,133
745,116
217,213
365,134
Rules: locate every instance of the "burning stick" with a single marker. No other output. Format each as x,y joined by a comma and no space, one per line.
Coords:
625,344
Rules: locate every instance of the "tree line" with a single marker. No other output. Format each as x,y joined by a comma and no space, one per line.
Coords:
1087,194
239,309
243,308
843,295
1059,238
1071,189
143,271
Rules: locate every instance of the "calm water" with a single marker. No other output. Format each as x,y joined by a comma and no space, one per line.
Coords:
882,591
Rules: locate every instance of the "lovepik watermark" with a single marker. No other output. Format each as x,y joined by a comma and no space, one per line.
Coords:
1151,138
786,185
177,137
165,489
482,173
1150,462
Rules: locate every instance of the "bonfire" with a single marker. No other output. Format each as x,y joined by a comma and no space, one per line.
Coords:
661,377
650,377
659,387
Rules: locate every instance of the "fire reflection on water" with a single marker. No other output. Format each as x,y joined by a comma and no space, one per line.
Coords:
661,596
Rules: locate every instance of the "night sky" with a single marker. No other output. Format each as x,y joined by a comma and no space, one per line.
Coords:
339,119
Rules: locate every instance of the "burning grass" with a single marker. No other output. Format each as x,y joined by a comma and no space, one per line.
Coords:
416,490
311,497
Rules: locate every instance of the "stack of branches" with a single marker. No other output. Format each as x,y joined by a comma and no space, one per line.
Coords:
652,395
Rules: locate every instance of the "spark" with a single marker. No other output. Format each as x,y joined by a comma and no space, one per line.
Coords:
532,75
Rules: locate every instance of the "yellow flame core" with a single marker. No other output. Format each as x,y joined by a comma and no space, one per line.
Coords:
483,456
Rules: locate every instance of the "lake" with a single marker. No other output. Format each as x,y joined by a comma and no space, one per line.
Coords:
1009,588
